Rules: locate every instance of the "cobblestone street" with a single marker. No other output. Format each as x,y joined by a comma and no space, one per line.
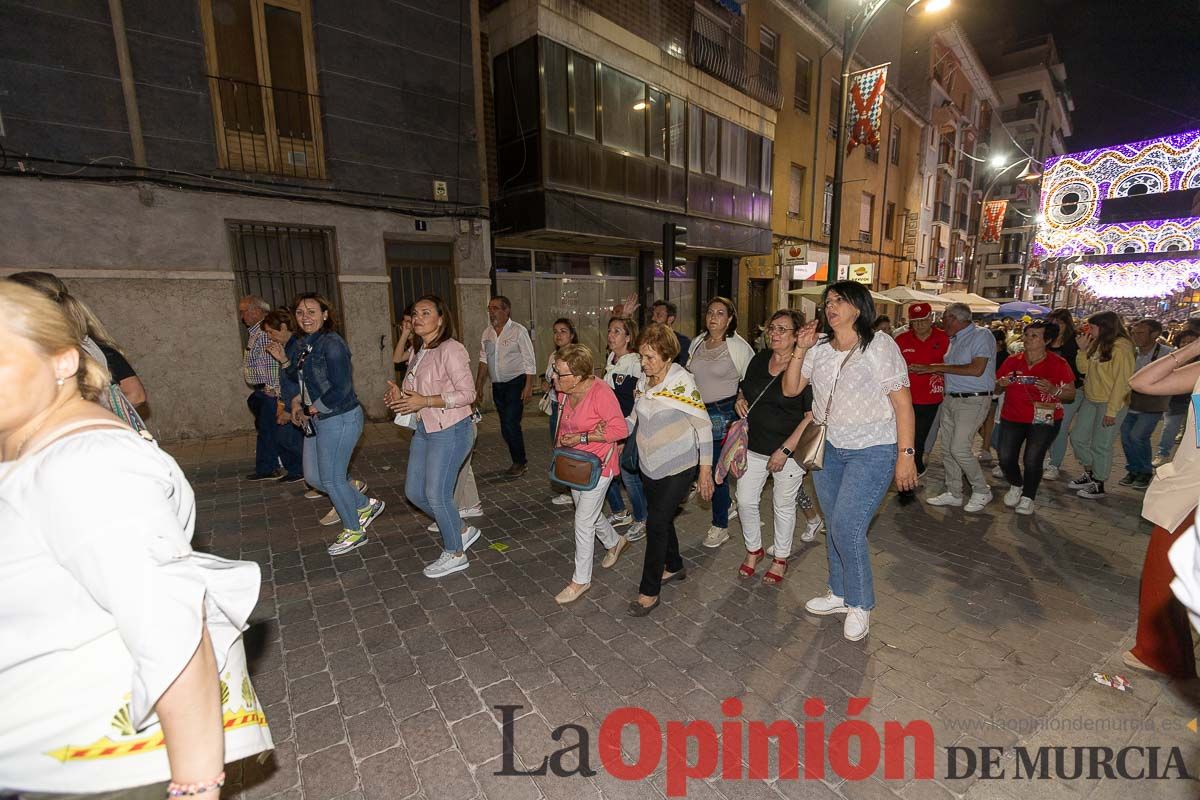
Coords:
380,683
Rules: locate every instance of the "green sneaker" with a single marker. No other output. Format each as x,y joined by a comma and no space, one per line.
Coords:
347,541
367,515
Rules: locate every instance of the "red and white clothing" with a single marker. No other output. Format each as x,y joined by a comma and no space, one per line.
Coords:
927,389
598,405
1020,397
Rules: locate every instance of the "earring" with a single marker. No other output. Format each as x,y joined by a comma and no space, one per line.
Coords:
61,381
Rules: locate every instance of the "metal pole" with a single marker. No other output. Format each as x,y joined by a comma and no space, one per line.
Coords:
839,158
1054,289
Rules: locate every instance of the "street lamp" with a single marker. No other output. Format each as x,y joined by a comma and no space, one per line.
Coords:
856,26
1028,174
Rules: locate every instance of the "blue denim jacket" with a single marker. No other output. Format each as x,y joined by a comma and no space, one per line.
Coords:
328,375
289,380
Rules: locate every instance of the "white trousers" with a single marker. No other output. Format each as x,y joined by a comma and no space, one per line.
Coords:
590,523
749,494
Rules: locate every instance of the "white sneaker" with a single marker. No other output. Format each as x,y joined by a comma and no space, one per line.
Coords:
733,509
563,499
828,603
636,532
716,537
1025,506
945,499
446,564
857,625
997,472
473,511
978,501
469,537
620,518
1012,496
810,531
1050,473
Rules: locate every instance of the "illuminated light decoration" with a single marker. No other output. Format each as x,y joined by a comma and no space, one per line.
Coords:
1166,164
1138,278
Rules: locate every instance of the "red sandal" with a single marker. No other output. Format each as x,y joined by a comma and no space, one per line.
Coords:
770,577
748,572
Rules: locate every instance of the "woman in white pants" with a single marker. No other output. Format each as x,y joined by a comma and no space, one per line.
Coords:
589,419
775,423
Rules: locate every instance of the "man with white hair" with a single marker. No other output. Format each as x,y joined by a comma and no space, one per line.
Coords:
261,373
970,373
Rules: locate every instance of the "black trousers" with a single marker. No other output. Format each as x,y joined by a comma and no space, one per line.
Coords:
1036,439
925,414
663,498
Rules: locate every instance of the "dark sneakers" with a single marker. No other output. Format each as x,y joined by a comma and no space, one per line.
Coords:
1093,491
1142,482
274,476
517,470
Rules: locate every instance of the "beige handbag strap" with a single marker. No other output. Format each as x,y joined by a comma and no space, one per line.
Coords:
833,391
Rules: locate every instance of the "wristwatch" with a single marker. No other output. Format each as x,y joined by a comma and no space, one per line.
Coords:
786,452
908,451
583,438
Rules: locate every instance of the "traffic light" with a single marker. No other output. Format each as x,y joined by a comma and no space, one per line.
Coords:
673,244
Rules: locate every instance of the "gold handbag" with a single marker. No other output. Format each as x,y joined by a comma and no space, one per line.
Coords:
810,450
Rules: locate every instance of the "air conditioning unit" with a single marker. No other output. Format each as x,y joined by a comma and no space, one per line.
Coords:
297,158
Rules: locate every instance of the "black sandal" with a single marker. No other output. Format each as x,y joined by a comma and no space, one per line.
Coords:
680,575
636,609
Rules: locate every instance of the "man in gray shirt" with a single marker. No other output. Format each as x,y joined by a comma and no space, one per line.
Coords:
970,371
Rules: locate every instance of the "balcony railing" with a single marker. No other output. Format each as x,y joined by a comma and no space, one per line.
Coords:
266,129
864,237
716,52
1004,259
945,154
960,222
965,171
1022,112
941,212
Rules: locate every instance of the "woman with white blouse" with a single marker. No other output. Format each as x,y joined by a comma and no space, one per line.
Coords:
121,664
622,371
869,439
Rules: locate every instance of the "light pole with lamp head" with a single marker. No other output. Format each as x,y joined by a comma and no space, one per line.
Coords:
1027,175
856,26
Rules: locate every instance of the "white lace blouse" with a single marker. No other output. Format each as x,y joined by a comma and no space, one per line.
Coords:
861,415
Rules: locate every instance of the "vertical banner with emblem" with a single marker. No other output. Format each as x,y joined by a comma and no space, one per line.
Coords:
993,221
865,108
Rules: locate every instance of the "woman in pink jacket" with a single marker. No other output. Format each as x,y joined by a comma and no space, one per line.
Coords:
590,419
438,391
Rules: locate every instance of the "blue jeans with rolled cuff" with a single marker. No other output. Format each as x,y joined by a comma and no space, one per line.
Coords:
327,461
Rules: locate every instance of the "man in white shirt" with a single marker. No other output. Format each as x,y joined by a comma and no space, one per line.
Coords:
506,356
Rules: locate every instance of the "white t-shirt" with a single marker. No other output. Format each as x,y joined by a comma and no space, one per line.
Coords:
101,602
862,415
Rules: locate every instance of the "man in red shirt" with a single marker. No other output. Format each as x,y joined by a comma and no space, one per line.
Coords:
922,343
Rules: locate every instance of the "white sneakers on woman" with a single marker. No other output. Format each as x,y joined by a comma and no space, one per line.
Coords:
858,620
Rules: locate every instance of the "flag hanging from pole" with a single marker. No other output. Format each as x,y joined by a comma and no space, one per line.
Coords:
864,111
993,221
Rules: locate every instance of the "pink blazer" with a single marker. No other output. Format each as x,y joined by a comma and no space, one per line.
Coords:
445,371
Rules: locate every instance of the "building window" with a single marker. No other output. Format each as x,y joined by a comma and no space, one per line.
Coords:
768,44
796,191
803,89
583,96
262,78
711,134
827,209
659,132
695,138
623,99
866,213
834,98
765,175
733,153
894,146
678,115
871,153
278,262
554,83
889,222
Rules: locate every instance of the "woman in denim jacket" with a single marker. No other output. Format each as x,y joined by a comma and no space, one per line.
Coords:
328,408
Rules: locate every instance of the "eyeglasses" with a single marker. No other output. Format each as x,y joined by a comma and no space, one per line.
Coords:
563,374
779,329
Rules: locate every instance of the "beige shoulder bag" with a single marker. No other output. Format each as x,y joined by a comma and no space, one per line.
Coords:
810,450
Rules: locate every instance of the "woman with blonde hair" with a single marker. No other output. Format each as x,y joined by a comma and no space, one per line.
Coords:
93,521
590,419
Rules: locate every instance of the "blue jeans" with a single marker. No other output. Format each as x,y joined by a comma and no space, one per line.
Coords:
637,495
271,445
434,459
507,397
850,488
1058,450
1137,429
290,441
327,462
1171,426
720,498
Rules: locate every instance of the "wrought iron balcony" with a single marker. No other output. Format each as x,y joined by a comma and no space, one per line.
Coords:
716,52
267,129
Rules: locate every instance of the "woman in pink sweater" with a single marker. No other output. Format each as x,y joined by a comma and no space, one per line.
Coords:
589,419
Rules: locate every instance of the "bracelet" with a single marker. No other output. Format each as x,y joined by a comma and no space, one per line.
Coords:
191,789
1173,358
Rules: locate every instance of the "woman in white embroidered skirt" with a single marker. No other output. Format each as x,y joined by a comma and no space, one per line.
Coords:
117,636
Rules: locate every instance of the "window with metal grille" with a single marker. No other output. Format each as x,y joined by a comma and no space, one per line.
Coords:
278,262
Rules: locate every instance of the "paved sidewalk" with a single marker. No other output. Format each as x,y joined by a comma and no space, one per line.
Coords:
380,683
